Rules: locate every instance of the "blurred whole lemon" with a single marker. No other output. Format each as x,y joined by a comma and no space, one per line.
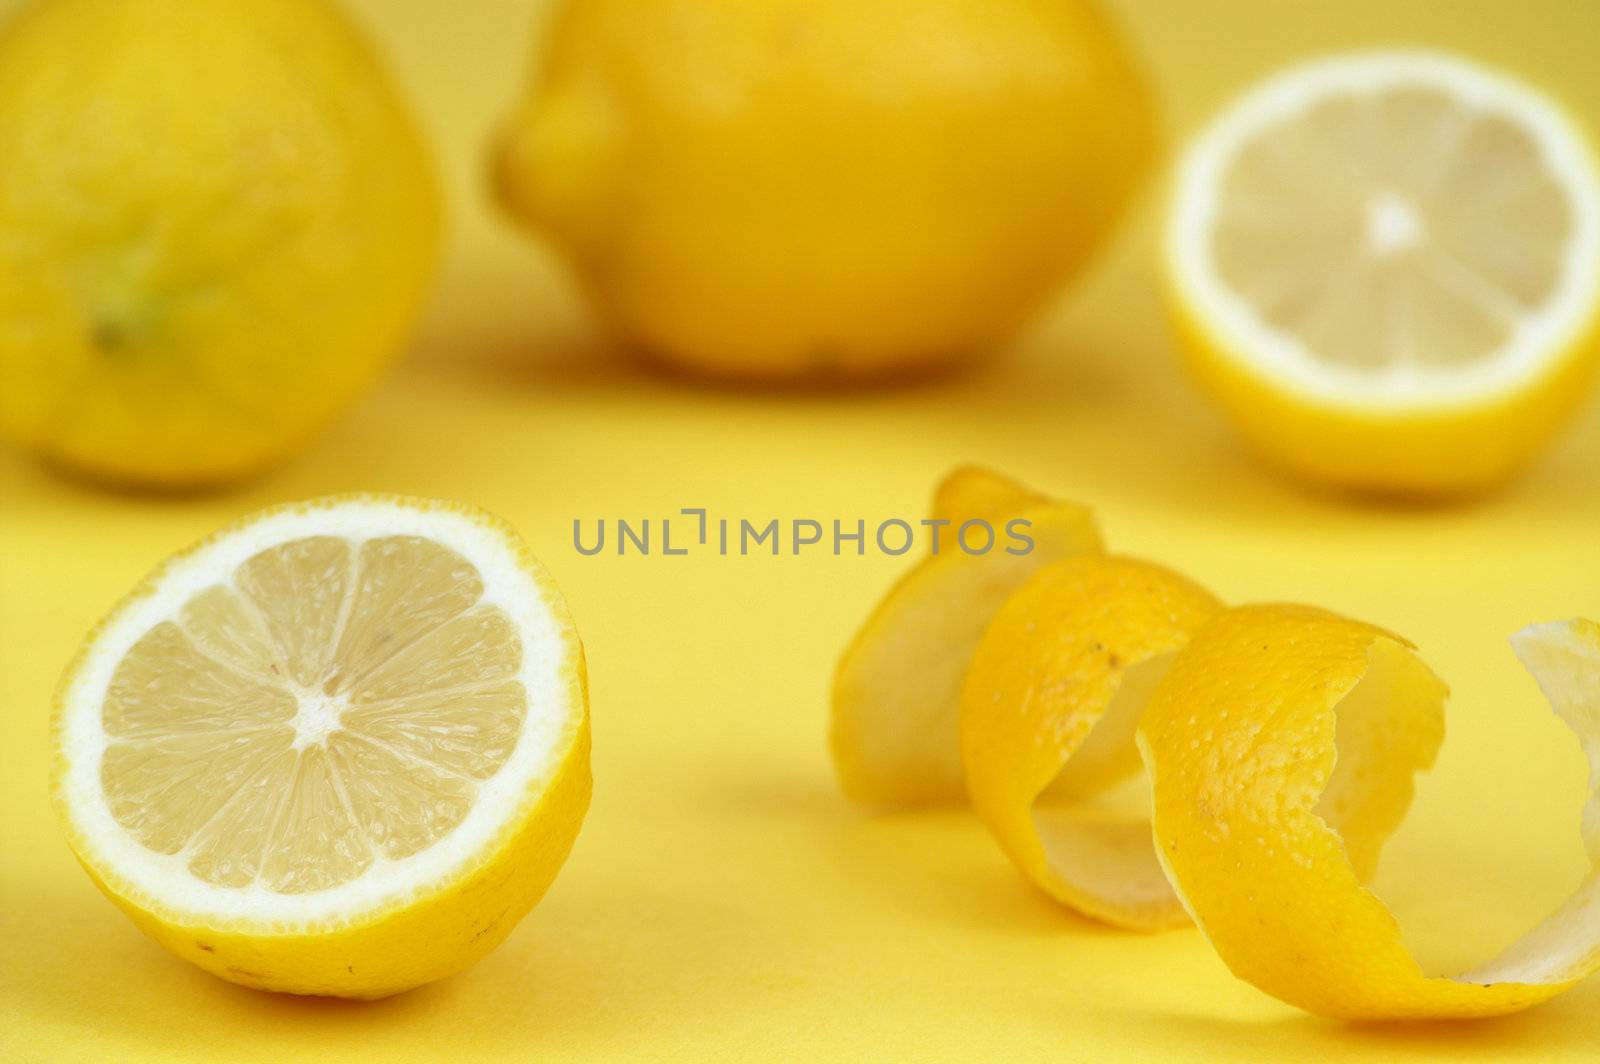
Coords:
776,189
217,221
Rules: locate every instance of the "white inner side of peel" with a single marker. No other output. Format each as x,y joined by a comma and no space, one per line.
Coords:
1093,818
1564,657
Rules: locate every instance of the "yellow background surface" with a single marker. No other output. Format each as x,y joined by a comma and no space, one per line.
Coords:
723,902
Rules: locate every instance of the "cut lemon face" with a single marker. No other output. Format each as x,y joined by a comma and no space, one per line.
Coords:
897,691
1387,267
1281,747
1048,714
338,748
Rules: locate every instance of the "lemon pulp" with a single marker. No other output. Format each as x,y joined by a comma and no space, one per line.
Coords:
1386,268
1372,228
336,705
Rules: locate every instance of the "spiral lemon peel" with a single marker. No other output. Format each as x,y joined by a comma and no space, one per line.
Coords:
1268,825
1279,745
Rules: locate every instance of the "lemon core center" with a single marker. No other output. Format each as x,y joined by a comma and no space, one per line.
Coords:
1393,225
317,717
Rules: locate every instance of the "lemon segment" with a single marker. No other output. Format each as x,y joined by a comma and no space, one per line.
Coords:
337,749
1048,713
1387,268
896,699
1281,747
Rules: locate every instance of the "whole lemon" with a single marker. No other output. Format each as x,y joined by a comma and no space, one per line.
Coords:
217,223
775,189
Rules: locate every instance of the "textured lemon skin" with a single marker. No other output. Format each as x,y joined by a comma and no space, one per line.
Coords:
218,223
820,189
406,942
1426,452
1046,671
1239,743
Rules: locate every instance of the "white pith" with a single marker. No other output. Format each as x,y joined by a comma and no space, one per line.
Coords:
164,879
1241,334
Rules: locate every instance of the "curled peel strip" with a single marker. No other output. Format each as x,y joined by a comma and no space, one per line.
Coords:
1048,714
1280,748
896,692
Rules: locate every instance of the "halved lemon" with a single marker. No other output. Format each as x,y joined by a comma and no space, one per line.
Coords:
897,690
341,747
1387,268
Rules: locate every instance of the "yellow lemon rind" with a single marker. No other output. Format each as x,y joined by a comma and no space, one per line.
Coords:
1246,741
1049,676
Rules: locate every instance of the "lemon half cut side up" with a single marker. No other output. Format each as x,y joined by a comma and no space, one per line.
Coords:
338,748
1281,747
1386,268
